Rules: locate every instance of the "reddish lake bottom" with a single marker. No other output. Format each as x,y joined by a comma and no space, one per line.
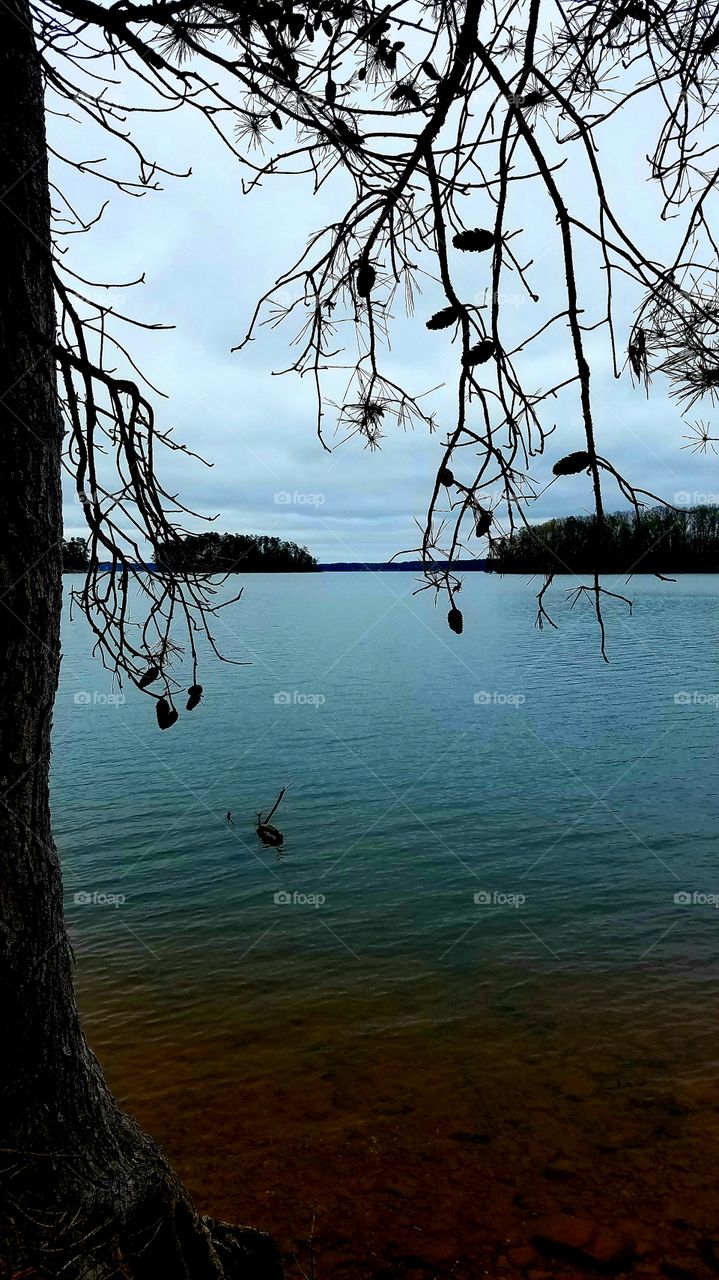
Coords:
442,1148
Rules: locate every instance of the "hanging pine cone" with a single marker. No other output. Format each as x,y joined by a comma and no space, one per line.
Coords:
443,319
483,522
445,476
195,692
476,241
365,279
572,464
455,620
150,675
166,714
479,354
406,93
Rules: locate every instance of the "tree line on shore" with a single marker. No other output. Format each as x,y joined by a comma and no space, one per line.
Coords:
75,556
212,553
658,540
234,553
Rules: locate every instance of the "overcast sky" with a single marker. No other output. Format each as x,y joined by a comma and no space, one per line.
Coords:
207,252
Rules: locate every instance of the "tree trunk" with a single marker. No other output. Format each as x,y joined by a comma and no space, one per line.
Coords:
83,1192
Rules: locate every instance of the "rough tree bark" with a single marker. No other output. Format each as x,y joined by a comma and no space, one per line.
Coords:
83,1191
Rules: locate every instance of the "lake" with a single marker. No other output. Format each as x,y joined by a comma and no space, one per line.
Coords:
478,983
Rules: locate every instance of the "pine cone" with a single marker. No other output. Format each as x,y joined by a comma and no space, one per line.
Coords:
443,319
476,241
572,464
455,620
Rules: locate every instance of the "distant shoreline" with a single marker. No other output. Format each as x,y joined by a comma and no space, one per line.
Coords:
459,566
358,566
405,566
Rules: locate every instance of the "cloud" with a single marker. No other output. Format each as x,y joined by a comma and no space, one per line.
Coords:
207,252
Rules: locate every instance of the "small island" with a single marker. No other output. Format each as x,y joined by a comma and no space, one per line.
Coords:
233,553
208,553
660,540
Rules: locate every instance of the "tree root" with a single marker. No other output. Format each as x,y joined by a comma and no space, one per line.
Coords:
145,1228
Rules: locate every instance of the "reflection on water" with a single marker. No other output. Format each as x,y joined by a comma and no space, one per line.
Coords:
479,985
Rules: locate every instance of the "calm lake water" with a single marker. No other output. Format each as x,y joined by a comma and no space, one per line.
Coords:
479,983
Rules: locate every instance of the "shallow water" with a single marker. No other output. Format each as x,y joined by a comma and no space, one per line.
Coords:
482,1001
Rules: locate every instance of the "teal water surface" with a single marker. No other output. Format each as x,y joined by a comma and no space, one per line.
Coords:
486,811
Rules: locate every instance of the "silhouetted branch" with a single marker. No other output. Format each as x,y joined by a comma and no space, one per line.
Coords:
439,117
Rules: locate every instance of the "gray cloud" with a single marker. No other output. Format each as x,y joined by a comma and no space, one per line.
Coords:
207,253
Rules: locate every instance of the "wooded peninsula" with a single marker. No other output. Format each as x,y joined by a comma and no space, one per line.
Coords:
659,540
